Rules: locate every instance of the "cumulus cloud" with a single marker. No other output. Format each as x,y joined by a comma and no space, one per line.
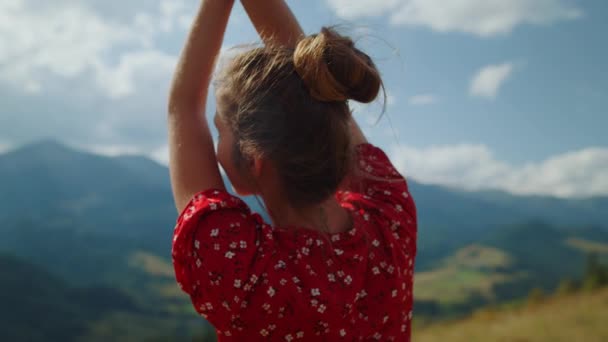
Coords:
479,17
573,174
422,99
88,72
70,38
488,80
4,147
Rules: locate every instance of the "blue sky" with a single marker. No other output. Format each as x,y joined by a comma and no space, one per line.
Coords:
482,93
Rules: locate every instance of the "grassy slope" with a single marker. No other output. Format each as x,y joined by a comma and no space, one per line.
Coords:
578,317
471,271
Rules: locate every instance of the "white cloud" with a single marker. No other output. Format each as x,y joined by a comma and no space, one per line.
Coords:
74,38
161,155
4,147
422,99
119,81
480,17
488,80
113,150
574,174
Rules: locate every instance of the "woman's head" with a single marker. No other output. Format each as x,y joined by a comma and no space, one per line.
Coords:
288,107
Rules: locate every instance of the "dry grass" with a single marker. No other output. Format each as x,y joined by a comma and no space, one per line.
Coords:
151,264
472,270
579,317
588,246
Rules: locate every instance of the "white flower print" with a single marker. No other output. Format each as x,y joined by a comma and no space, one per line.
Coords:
348,280
405,194
300,334
243,244
342,332
295,280
315,292
391,269
305,250
229,255
209,306
376,270
283,281
341,273
197,244
233,245
319,242
386,192
271,291
331,277
321,308
335,237
198,263
214,232
394,293
366,217
212,206
338,251
216,246
399,207
266,306
376,243
377,336
264,332
237,283
288,338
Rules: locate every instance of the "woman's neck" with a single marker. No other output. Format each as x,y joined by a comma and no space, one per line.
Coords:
327,216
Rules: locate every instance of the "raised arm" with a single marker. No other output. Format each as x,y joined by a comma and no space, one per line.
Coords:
275,23
192,161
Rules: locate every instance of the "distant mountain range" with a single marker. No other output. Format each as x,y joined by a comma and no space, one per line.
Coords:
97,222
130,196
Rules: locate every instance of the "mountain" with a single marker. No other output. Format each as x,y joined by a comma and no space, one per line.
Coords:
32,297
506,265
130,197
106,222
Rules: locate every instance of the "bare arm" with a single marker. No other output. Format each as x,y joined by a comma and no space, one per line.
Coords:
273,19
192,161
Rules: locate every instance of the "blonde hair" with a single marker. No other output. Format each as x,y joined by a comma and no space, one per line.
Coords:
291,106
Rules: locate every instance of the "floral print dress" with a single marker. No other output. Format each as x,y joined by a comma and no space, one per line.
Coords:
253,281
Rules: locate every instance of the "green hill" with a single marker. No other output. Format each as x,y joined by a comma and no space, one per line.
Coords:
578,317
99,223
37,306
506,266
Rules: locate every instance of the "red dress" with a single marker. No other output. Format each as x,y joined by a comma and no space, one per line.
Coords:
252,281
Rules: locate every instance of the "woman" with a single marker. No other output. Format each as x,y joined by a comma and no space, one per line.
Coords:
337,261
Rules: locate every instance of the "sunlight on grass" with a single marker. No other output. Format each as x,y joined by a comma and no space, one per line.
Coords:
151,264
579,317
472,270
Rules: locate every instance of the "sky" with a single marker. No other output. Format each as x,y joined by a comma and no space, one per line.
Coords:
481,94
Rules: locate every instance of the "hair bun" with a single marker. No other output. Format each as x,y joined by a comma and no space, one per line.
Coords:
334,70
